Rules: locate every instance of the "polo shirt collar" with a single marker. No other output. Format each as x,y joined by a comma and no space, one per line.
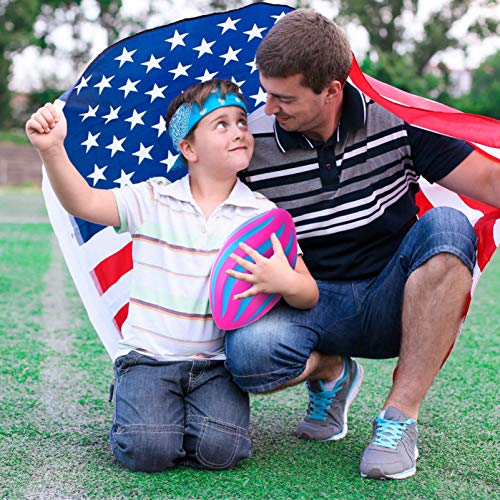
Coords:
240,196
353,118
290,140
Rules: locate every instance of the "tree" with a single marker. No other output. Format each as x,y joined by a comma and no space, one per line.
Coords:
26,23
17,19
484,95
402,58
16,29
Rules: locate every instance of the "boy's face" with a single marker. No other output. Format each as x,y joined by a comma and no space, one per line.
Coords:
222,141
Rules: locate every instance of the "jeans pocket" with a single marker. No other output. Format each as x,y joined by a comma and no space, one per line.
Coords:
221,445
123,363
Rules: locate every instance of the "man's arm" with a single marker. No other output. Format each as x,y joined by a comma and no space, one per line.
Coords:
477,177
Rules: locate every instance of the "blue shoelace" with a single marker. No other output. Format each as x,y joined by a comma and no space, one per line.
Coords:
388,433
321,402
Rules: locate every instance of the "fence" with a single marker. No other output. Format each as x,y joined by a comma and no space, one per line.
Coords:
19,164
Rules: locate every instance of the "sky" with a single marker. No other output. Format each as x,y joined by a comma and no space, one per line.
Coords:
29,68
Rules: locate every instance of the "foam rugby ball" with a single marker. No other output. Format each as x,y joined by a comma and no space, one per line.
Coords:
227,312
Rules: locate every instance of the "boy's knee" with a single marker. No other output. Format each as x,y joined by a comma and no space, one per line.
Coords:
148,448
216,445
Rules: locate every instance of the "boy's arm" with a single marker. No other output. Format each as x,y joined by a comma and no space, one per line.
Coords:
46,129
274,275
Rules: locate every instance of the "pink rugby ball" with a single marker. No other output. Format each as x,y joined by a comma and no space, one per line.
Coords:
227,312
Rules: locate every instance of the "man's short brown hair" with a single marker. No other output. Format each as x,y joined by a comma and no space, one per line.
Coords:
307,43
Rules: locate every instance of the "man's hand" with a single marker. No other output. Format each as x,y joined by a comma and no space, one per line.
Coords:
46,128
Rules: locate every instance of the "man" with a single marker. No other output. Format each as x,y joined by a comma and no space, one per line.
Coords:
390,285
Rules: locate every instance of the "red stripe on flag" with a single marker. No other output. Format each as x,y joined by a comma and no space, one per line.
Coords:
427,114
486,242
120,318
111,269
482,207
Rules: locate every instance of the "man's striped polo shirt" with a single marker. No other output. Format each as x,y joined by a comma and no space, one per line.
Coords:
173,249
353,197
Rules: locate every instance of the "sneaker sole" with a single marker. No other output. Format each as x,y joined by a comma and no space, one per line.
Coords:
358,379
400,475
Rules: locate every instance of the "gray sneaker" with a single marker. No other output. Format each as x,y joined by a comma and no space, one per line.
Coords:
327,411
392,452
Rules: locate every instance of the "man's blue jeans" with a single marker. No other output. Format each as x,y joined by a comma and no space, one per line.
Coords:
353,318
178,413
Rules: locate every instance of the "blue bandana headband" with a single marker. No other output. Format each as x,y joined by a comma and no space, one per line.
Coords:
188,115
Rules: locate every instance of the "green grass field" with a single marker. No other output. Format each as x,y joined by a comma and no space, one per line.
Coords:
55,417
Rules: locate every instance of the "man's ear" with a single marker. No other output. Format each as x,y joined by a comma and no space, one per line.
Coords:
187,150
333,91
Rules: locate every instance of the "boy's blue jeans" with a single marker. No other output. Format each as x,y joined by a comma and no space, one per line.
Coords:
178,413
353,318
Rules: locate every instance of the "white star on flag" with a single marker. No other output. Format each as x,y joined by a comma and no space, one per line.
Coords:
160,126
206,76
104,83
230,55
255,32
143,153
176,40
91,113
156,92
91,141
98,174
152,63
279,16
233,79
125,56
260,97
135,119
124,179
129,87
180,70
253,66
228,24
116,145
112,115
83,83
204,48
170,160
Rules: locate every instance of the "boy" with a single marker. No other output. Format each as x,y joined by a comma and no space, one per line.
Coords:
175,403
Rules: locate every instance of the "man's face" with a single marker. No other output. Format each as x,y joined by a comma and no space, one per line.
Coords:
296,108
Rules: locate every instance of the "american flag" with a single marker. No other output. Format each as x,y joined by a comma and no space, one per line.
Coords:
116,136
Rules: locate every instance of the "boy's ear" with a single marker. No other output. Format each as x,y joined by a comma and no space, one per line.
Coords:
187,150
